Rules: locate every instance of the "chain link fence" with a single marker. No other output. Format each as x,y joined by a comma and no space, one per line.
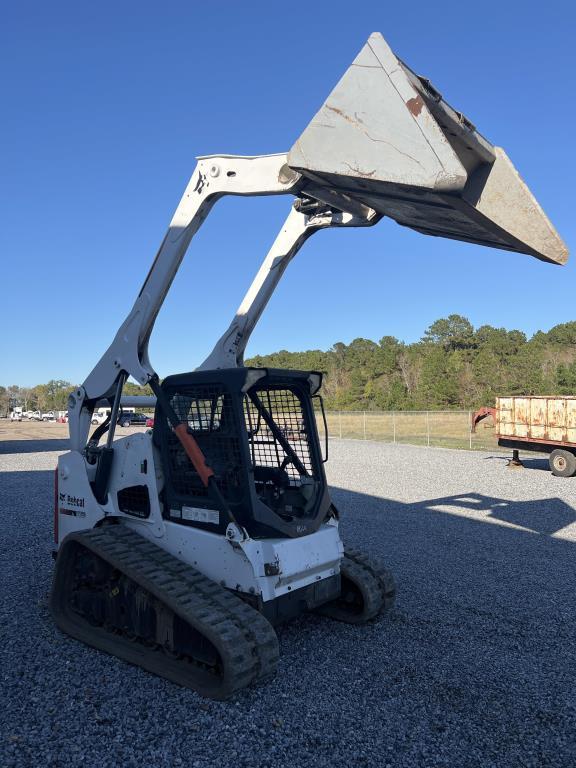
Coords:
447,429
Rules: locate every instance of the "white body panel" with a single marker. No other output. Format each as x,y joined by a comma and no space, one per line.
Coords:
239,564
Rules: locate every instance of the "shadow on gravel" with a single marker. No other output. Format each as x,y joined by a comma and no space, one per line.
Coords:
544,516
33,446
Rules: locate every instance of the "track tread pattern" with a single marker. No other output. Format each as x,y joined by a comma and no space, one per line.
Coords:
374,582
384,576
245,640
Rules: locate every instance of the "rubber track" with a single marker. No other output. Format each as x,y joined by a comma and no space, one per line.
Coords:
375,582
245,640
384,576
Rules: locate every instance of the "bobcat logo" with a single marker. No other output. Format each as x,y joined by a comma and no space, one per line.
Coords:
71,501
74,501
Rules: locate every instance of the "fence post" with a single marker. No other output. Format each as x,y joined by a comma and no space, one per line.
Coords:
394,425
428,428
340,423
470,427
364,419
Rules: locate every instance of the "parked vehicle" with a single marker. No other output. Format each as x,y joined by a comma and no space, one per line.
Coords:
133,419
34,416
101,414
48,416
16,414
545,424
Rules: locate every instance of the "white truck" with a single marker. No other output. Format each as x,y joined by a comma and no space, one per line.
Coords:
101,414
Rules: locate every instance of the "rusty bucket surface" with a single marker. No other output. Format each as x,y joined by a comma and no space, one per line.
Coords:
386,138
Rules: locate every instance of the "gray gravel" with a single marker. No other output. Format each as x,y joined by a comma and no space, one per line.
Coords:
475,667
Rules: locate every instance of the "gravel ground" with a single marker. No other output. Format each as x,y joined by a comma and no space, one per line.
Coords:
475,666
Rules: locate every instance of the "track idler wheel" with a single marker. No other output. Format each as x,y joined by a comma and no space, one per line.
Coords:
368,590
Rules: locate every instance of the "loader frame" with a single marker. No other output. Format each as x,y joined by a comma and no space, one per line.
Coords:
228,495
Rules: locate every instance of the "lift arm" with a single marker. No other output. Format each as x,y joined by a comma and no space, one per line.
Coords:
213,178
306,217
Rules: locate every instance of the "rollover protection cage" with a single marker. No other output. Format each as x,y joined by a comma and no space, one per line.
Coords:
257,431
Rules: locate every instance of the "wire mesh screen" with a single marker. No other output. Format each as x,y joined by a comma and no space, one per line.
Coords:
278,434
210,417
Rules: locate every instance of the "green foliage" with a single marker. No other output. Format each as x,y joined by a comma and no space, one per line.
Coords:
452,332
453,366
52,396
131,388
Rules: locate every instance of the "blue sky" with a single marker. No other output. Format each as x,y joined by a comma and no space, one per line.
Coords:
105,106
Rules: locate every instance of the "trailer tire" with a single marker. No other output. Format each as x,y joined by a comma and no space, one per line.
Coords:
562,463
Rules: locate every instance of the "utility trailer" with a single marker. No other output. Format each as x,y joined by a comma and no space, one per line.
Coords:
545,424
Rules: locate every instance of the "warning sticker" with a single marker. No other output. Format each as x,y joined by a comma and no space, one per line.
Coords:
72,512
199,515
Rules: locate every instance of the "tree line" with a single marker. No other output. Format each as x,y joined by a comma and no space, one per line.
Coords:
52,396
453,365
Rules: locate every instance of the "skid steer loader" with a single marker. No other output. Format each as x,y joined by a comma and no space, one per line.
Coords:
180,548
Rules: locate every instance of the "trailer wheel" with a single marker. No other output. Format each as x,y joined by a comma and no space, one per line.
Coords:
563,463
